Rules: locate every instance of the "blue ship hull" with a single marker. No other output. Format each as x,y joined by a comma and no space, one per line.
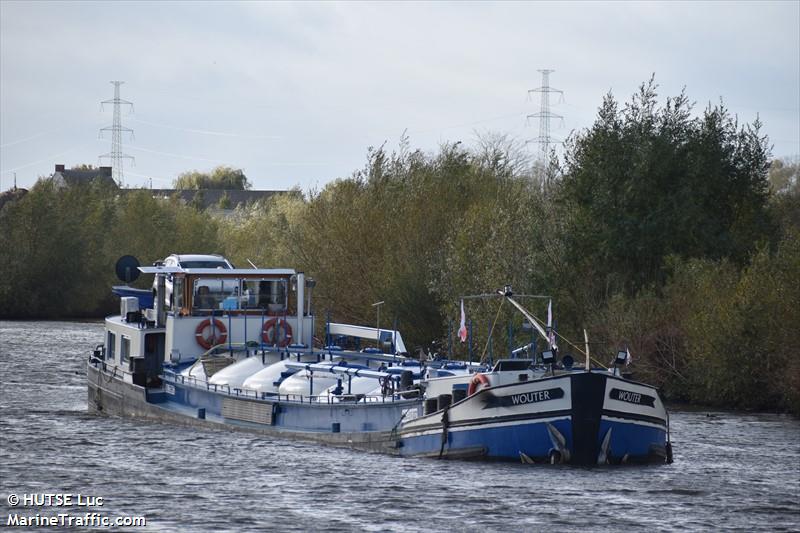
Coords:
584,423
282,413
576,418
501,443
510,443
362,426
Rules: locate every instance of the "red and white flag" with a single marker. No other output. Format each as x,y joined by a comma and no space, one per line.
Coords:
462,330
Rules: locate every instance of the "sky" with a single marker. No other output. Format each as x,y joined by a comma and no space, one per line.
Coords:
296,93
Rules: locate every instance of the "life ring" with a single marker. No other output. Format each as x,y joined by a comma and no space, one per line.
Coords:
270,335
218,335
478,380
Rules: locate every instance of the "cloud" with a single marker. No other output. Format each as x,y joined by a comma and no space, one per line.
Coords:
330,79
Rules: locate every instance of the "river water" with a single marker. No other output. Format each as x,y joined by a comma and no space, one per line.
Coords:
732,471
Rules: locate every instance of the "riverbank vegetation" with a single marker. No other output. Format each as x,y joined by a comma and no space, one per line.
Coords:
660,229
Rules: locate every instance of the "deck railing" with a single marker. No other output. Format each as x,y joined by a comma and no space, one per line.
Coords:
191,381
100,363
174,378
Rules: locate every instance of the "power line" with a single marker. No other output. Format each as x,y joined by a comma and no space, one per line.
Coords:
464,125
44,160
181,156
210,132
116,130
150,177
26,139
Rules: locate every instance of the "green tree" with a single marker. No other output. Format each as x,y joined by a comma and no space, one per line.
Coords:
784,175
718,334
198,200
414,230
224,201
43,251
59,245
646,182
221,177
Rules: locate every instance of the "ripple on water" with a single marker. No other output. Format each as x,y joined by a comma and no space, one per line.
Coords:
208,480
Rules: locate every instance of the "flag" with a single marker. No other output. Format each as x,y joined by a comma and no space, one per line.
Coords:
551,334
462,330
629,358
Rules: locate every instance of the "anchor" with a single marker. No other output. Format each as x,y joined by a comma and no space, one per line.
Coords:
559,454
604,457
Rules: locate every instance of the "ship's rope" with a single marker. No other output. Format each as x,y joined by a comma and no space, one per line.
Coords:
575,346
491,331
579,350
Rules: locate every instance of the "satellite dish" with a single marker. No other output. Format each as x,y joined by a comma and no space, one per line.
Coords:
127,268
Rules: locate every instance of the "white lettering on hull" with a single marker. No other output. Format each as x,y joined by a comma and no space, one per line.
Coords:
632,397
530,397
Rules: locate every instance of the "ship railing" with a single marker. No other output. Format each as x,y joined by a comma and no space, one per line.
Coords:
103,365
329,399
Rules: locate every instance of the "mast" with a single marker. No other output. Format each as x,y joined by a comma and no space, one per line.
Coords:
507,294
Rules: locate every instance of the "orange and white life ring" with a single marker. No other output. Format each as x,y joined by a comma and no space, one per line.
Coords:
216,334
477,381
271,335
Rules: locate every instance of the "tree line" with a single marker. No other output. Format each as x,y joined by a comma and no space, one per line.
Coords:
659,230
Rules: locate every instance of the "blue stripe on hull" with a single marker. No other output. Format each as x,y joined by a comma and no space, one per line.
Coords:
635,440
505,442
533,439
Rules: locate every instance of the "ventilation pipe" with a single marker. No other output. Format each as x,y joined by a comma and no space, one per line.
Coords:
161,296
301,286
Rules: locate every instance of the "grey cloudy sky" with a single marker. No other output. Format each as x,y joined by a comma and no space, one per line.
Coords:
294,93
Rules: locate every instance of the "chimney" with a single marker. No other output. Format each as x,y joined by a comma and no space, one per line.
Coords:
59,168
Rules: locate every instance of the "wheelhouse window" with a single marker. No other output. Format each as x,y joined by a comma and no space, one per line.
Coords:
269,295
204,264
125,349
216,293
177,292
111,346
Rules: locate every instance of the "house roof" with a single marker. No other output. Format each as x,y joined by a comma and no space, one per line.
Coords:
211,197
83,177
207,198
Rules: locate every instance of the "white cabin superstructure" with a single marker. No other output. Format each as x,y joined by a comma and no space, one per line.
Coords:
234,308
